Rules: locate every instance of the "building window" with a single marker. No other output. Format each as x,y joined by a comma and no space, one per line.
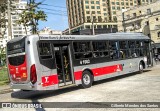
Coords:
117,3
87,2
147,22
97,2
148,11
115,18
113,3
156,19
104,26
99,27
87,7
98,12
105,14
158,34
134,14
87,12
98,7
92,2
114,12
92,7
87,26
93,12
118,8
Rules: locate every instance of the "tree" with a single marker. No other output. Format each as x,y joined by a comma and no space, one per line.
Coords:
3,20
3,28
31,16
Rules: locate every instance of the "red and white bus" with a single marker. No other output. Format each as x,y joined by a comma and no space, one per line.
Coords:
49,62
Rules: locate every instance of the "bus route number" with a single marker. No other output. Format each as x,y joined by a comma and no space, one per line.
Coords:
85,61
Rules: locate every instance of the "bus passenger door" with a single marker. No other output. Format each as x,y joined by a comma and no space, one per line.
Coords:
148,52
63,64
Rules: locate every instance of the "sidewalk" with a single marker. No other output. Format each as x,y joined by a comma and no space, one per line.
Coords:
5,89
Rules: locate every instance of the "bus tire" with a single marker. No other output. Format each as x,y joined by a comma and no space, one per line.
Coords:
141,68
86,79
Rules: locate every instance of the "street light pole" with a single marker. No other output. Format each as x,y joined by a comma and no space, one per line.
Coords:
93,32
93,28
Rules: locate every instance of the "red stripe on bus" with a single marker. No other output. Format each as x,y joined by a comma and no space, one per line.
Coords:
78,75
49,80
100,71
107,70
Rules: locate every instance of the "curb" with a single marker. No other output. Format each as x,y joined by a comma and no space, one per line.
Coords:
4,91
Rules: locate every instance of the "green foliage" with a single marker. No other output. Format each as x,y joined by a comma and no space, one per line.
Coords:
2,57
3,76
3,20
31,16
3,27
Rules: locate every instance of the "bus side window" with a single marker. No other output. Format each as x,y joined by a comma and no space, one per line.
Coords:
82,50
100,49
131,45
141,49
45,50
123,46
113,46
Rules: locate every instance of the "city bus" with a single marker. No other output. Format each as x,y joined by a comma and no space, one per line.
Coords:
50,62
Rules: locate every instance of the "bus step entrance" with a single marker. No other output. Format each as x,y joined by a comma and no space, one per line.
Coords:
63,64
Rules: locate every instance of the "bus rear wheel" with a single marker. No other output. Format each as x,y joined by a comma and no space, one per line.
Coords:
141,68
86,79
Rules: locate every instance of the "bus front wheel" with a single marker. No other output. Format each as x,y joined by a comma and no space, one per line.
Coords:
141,68
87,79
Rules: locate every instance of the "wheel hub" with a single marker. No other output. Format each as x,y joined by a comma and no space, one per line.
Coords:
86,79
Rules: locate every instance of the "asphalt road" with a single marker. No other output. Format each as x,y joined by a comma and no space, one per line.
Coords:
135,87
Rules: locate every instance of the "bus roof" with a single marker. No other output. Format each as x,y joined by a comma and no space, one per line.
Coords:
110,36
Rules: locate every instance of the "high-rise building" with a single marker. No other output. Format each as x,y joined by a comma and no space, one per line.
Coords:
84,14
143,19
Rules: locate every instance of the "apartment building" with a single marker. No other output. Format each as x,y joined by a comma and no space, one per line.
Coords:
84,14
144,19
17,30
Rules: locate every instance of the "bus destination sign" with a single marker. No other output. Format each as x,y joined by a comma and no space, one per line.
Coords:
56,38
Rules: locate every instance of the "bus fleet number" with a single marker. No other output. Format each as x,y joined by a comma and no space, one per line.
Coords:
85,61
